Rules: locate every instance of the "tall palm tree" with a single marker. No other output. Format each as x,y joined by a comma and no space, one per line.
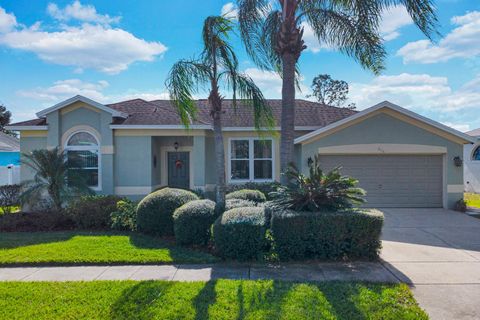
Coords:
54,176
217,67
272,31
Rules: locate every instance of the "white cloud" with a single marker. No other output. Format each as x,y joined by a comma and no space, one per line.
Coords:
393,19
64,89
420,91
77,11
88,46
458,126
7,21
462,42
229,10
271,83
311,40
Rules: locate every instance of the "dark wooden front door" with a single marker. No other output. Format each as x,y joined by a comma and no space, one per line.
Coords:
179,170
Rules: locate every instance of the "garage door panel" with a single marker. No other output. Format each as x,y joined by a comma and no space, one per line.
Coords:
394,180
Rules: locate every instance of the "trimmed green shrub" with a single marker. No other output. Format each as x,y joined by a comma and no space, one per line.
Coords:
155,211
9,197
93,212
240,233
264,187
35,221
327,235
125,217
238,203
192,222
247,194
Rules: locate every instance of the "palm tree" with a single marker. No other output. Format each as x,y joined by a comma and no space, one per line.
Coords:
216,66
273,35
55,176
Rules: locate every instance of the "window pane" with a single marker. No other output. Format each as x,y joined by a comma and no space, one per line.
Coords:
83,159
91,176
82,139
476,154
239,149
262,169
240,169
262,148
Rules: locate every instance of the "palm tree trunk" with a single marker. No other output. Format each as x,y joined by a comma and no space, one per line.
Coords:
216,104
288,112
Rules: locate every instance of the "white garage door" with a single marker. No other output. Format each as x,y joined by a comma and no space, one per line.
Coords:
394,180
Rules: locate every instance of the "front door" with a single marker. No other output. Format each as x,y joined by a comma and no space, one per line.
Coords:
178,170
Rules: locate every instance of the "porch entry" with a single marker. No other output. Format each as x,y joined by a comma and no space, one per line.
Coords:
179,169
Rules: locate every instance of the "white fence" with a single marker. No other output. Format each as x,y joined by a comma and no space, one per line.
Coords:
9,175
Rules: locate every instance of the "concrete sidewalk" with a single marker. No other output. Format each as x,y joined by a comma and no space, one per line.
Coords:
358,271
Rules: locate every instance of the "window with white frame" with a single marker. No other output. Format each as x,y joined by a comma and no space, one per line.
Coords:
82,151
251,159
476,154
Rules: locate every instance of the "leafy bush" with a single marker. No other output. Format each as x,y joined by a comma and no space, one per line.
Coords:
155,211
93,212
354,233
9,197
238,203
247,194
461,205
240,233
125,216
192,222
35,221
318,191
264,187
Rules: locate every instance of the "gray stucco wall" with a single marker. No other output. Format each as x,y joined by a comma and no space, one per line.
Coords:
386,129
28,144
133,161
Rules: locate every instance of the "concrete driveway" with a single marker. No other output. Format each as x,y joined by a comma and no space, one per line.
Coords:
437,251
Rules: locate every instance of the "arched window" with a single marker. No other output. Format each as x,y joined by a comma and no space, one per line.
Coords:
82,154
476,154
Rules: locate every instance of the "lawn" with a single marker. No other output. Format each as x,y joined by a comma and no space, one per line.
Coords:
222,299
12,209
472,199
56,248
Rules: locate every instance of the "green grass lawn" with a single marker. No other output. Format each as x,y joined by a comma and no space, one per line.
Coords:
472,199
28,248
12,209
222,299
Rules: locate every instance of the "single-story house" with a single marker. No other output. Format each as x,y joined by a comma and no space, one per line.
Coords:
471,156
133,147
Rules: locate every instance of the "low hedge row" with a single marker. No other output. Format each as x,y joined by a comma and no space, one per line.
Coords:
247,194
336,235
240,233
93,212
193,221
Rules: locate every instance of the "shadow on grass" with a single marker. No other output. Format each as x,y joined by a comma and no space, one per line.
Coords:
264,299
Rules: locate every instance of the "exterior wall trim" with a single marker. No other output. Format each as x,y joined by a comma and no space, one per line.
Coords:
113,112
132,191
455,188
383,148
26,128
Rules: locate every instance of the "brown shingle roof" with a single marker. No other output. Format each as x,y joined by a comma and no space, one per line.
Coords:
474,133
162,112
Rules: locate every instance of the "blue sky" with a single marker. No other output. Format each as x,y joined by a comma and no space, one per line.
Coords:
117,50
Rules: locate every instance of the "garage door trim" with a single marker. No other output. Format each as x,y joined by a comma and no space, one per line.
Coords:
382,148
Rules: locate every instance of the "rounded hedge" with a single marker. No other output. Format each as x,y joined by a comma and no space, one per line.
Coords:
192,222
238,203
155,211
240,233
247,194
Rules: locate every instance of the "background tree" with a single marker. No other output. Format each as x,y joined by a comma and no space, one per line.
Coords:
54,176
217,67
5,117
273,35
330,91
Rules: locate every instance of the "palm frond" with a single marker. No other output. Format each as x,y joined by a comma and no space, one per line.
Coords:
182,83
